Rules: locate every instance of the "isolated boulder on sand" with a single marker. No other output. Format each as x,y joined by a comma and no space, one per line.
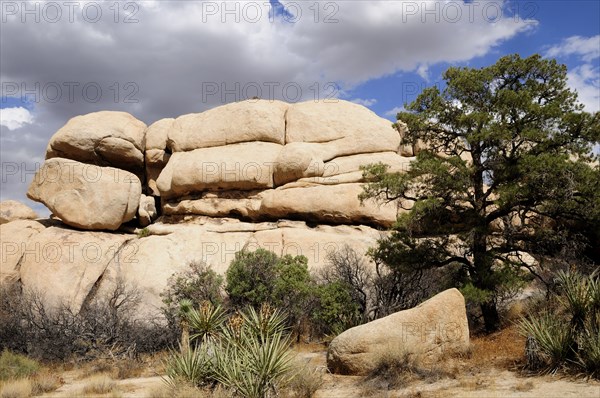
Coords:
435,327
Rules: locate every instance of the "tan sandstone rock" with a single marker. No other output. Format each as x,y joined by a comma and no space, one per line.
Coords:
341,122
243,166
436,326
337,204
146,211
11,210
156,155
244,121
13,240
86,196
63,265
104,138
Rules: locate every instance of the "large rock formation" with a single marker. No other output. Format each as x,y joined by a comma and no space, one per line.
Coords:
284,177
265,160
433,328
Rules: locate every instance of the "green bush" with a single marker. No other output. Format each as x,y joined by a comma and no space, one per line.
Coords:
262,277
336,310
199,283
250,278
16,366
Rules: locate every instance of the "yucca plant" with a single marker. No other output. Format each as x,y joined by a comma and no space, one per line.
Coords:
575,295
588,356
570,335
264,323
194,366
553,336
206,322
251,367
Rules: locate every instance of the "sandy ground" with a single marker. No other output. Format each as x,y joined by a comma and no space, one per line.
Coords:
491,384
484,383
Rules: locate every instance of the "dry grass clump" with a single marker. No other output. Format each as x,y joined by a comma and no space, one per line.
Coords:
477,382
524,386
100,384
17,389
127,369
118,369
394,371
305,382
185,390
44,382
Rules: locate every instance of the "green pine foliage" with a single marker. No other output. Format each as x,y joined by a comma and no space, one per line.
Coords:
507,168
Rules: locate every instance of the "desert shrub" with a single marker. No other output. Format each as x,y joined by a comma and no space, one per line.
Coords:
335,310
198,283
293,290
351,291
11,330
259,277
398,289
16,366
107,326
345,267
250,277
569,335
195,285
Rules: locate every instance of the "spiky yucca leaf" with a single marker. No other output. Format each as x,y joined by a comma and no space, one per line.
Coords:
207,322
253,365
588,355
264,323
194,366
553,336
576,295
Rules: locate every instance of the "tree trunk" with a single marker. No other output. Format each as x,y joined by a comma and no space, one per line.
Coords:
482,264
491,319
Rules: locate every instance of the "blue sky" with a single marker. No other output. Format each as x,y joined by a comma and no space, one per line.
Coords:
157,59
557,21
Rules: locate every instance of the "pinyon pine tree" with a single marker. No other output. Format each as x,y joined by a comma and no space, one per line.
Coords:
508,153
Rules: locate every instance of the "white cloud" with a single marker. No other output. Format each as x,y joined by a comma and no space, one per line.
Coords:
423,71
394,111
176,48
585,79
588,48
15,118
364,102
